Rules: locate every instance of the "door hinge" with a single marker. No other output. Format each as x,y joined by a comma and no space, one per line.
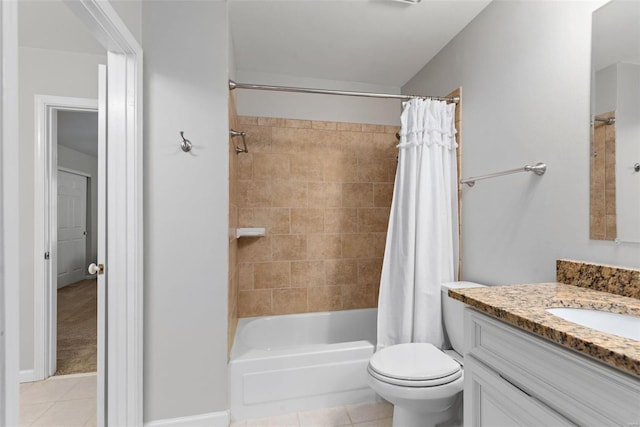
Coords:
46,255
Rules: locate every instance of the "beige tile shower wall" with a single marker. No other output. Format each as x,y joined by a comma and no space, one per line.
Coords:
323,191
233,224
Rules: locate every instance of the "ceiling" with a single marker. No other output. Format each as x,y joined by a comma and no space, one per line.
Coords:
78,130
383,42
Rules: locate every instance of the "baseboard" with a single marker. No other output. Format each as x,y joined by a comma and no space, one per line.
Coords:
27,376
212,419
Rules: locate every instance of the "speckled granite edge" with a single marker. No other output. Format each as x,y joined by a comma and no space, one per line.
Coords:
605,278
524,306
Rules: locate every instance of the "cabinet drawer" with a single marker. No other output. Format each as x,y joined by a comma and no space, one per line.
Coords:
492,401
584,390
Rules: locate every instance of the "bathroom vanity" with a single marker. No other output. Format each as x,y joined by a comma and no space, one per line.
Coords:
515,378
526,366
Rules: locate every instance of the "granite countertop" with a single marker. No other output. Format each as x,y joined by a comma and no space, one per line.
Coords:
524,306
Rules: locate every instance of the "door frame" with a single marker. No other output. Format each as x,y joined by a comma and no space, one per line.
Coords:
45,226
123,398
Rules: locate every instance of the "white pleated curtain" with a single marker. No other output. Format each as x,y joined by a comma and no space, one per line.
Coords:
422,240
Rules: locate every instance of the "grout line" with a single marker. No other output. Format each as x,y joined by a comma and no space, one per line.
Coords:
348,415
51,404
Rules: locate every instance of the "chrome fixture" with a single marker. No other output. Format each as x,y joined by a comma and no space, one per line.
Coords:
625,242
185,144
539,169
234,85
636,167
235,133
607,121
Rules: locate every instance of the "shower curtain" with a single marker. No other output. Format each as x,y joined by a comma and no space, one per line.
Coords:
421,251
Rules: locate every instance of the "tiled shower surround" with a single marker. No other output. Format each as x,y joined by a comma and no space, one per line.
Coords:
323,191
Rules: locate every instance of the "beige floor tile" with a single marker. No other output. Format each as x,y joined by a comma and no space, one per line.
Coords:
25,386
370,411
49,390
287,420
91,422
30,413
325,417
385,422
70,413
84,388
238,424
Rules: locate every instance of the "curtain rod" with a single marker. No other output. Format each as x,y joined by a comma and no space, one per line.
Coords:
234,85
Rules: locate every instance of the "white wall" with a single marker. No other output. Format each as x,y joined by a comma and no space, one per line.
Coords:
42,72
232,57
77,161
186,208
525,71
605,89
315,107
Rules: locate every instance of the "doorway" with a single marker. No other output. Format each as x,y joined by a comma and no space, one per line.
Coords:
66,212
67,208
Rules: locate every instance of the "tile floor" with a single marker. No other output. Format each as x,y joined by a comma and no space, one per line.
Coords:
70,401
65,401
364,415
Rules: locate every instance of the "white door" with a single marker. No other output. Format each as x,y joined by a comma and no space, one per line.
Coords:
72,232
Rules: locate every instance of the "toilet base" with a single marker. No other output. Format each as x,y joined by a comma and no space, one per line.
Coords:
451,417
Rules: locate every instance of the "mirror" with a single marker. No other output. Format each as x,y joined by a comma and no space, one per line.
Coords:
615,123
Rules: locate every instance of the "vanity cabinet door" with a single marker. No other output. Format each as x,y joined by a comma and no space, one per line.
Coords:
492,401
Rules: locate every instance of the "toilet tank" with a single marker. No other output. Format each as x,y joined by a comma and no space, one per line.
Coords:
453,314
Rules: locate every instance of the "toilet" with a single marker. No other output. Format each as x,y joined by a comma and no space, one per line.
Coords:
424,383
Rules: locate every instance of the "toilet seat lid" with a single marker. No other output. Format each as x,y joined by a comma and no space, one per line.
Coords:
414,362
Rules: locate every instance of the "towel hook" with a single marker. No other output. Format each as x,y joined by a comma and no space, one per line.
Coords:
185,144
235,133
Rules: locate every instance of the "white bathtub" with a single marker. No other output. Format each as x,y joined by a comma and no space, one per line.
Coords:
299,362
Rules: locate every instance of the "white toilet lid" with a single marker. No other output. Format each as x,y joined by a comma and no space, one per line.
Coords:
414,364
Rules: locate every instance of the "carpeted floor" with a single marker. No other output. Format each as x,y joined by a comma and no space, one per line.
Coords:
77,328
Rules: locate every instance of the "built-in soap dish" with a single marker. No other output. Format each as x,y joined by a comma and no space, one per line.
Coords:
250,232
